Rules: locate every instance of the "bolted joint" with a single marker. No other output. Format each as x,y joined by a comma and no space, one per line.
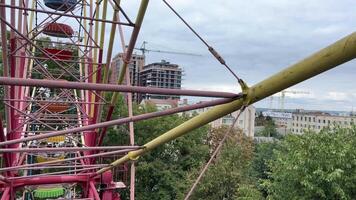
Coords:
245,91
132,155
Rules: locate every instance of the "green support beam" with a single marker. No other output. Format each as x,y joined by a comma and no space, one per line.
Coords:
338,53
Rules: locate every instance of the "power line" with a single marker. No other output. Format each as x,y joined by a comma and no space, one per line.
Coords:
216,151
210,48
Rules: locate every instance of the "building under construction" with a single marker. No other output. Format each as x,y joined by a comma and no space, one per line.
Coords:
161,75
136,65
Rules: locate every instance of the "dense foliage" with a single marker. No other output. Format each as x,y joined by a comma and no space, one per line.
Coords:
310,166
228,173
163,173
315,166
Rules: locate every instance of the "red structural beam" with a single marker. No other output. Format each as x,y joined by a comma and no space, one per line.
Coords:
53,101
54,179
55,173
68,149
36,46
64,160
120,121
56,58
61,167
111,87
66,15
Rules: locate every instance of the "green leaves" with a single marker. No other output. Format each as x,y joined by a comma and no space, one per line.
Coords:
315,166
229,171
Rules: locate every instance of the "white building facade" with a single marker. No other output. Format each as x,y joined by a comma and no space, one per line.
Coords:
281,119
246,120
316,121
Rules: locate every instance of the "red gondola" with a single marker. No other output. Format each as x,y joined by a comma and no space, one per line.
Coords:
58,54
58,30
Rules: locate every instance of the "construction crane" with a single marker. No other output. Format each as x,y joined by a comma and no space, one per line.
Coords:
283,95
143,49
281,98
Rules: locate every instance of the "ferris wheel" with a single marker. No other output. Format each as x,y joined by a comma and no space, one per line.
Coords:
57,103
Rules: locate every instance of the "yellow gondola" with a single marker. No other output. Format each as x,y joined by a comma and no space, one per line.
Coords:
41,159
60,138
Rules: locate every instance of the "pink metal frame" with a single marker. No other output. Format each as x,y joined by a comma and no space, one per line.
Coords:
29,118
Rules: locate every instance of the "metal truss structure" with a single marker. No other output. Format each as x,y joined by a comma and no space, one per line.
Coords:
56,109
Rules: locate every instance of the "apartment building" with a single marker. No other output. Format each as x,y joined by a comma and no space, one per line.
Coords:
161,104
136,64
316,121
246,120
281,119
161,75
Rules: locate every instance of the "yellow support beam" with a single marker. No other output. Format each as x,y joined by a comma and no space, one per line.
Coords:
111,41
338,53
134,35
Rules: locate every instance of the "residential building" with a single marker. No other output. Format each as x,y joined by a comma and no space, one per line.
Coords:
246,120
161,104
161,75
282,120
316,121
136,64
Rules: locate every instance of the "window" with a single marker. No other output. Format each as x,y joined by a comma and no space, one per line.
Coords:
309,119
228,120
324,121
319,120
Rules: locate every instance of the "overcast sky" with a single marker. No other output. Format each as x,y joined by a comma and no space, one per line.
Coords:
257,38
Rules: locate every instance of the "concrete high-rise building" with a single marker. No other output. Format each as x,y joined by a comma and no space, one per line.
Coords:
136,64
161,75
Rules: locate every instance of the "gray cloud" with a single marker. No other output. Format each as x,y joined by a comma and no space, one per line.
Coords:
257,38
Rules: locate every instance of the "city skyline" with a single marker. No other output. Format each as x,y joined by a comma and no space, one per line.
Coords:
257,40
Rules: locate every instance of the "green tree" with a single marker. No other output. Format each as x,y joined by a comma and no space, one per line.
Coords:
224,177
164,172
259,169
260,119
315,166
269,129
248,192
